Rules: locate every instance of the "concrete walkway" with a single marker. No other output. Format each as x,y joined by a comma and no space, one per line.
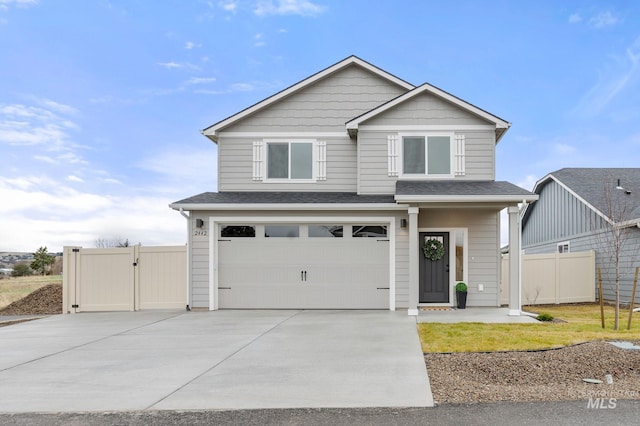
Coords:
212,360
484,315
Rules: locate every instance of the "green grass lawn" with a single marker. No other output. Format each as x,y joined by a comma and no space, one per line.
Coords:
582,325
12,289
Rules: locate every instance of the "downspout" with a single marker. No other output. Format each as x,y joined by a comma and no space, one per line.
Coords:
188,268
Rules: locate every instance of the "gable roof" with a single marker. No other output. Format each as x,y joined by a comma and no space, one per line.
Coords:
501,125
598,189
211,131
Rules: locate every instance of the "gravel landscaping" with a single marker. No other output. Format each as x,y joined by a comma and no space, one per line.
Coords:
552,375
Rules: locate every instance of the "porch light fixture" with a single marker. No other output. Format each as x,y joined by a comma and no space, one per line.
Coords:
403,223
199,223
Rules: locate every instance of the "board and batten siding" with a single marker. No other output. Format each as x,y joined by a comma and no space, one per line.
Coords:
200,250
324,106
557,216
483,255
373,159
236,167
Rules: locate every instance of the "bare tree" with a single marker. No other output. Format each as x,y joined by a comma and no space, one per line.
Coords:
615,239
111,242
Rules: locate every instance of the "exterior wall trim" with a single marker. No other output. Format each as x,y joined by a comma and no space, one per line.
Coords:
464,198
267,135
425,128
213,246
291,206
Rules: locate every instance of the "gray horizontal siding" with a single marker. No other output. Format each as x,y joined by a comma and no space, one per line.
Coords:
373,158
556,216
483,254
199,271
236,168
324,106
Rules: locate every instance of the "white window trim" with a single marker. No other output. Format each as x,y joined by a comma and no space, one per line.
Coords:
426,135
562,244
314,160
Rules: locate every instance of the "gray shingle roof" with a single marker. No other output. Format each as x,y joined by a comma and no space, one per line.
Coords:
459,187
285,198
593,184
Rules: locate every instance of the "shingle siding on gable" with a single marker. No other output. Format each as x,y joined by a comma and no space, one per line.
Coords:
426,109
325,106
557,216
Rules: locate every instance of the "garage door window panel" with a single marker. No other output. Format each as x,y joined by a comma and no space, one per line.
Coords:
326,231
369,231
238,231
281,231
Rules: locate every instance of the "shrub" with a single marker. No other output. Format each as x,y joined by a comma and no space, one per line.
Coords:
544,317
461,287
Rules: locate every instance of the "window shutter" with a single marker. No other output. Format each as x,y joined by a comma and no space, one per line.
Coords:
322,161
392,147
459,165
258,160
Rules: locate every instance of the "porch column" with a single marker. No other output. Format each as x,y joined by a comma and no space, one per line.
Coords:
413,261
515,298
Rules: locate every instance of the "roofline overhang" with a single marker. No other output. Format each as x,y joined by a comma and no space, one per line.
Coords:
288,206
211,131
466,198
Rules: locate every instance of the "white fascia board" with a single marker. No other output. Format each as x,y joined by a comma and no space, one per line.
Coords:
465,198
426,87
211,130
291,206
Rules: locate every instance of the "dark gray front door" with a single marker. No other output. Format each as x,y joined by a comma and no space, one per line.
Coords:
434,274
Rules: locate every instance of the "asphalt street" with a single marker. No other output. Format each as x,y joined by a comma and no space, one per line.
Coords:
620,412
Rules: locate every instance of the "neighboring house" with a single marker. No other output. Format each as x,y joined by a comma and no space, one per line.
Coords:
579,210
329,189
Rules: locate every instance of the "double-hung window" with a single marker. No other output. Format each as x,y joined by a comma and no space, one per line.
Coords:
427,156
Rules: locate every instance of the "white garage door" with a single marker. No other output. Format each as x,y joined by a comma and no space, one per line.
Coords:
308,266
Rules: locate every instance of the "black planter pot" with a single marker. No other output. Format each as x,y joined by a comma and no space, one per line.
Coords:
462,299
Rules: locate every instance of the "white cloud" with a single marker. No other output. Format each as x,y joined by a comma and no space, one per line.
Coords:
603,19
26,125
288,7
229,6
18,3
200,80
73,178
191,45
170,65
614,80
200,174
575,18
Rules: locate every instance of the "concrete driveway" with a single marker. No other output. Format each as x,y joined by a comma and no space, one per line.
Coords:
173,360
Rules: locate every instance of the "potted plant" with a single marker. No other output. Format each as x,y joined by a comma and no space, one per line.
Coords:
461,295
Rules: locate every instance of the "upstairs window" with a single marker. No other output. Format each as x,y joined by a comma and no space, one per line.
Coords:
293,160
426,156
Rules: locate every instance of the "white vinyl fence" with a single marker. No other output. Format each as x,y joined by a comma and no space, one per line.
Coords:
124,278
553,278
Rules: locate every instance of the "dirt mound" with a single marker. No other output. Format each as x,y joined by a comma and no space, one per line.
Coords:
44,301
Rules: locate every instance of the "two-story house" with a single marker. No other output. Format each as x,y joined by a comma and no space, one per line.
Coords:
353,189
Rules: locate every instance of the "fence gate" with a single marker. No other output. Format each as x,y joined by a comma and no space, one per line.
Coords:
124,278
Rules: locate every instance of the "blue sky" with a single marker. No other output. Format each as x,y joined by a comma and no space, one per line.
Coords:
102,102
